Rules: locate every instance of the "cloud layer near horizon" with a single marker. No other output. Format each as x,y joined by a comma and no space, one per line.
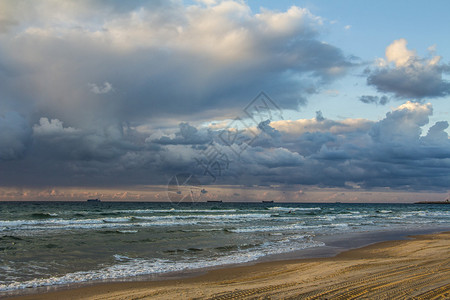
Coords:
392,152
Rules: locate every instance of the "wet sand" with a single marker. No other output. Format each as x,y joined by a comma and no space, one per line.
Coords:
418,268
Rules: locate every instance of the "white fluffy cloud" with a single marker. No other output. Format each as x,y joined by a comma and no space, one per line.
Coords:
301,126
403,124
398,53
49,127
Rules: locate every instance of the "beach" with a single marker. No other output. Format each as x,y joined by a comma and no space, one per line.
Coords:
417,268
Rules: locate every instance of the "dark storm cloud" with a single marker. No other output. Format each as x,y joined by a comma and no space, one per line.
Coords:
411,81
52,139
80,79
310,143
153,59
437,133
406,75
187,135
84,76
269,136
389,153
14,136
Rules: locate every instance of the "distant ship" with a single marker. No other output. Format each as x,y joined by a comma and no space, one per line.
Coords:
434,202
267,201
214,201
93,200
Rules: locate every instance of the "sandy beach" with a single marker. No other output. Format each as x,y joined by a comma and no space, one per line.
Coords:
418,268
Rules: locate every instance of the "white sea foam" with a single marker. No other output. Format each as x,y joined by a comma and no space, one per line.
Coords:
281,208
128,267
328,218
119,257
140,221
217,217
268,228
339,225
128,231
352,216
172,210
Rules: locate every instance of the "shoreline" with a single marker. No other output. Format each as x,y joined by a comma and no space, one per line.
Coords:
229,278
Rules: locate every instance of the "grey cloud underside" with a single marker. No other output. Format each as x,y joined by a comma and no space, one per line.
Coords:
149,84
415,80
14,136
389,153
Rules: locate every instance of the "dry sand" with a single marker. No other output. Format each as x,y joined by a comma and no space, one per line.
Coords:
407,269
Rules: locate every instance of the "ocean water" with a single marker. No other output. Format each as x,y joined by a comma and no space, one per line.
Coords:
54,243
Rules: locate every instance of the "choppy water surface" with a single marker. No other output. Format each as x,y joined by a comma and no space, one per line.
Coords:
49,243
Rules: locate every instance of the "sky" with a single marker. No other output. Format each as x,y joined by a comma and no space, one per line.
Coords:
305,101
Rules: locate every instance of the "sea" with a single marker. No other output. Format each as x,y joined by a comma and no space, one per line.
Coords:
51,244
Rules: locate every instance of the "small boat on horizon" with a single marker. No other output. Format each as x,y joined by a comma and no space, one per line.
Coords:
214,201
267,201
433,202
93,200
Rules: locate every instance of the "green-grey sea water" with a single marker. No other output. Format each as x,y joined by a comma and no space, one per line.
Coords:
51,243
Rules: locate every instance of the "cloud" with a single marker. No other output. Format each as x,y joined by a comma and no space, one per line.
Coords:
51,127
14,136
162,59
7,17
437,133
266,128
170,67
105,89
383,100
406,75
319,116
6,24
399,54
320,124
258,158
403,124
391,153
71,146
187,135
